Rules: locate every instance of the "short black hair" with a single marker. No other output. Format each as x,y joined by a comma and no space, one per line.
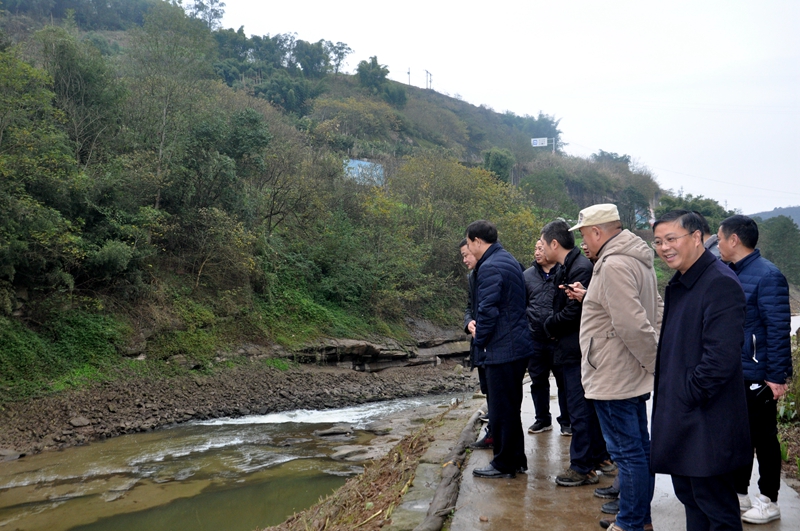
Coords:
485,230
706,227
687,219
463,243
743,227
558,230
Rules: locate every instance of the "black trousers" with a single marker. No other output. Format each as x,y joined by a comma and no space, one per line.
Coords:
764,437
505,389
711,503
587,447
539,367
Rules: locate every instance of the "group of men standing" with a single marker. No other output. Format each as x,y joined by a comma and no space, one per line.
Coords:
716,365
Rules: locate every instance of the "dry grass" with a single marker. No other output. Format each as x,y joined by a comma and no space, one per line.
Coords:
366,502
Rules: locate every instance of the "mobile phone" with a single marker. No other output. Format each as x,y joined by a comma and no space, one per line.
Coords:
567,287
765,394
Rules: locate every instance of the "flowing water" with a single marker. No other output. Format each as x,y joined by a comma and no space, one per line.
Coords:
231,474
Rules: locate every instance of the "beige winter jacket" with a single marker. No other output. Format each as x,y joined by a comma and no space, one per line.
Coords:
619,325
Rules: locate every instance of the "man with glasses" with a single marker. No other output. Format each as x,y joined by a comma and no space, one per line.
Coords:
766,361
699,426
618,342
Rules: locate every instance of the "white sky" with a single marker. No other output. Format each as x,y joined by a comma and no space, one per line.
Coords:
705,93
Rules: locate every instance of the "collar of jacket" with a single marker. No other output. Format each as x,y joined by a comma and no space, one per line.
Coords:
692,275
542,272
490,251
600,251
739,266
572,255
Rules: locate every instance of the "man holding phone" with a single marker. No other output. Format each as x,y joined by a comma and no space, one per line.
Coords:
587,451
766,361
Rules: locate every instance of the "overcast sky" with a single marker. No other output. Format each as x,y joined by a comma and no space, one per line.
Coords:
704,93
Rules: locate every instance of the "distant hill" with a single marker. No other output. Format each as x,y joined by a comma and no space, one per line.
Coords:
790,212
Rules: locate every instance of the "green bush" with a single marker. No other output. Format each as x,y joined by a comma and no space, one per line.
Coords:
74,347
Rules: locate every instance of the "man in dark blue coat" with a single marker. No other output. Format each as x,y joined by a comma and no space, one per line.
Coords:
700,433
502,344
486,441
766,361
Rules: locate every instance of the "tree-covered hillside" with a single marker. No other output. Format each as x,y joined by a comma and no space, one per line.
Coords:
170,188
789,212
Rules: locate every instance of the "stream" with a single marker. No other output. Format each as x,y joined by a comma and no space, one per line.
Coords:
233,474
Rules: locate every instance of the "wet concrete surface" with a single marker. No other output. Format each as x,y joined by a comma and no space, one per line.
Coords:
534,501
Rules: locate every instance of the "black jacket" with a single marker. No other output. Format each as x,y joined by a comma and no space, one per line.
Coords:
540,291
565,323
700,426
498,307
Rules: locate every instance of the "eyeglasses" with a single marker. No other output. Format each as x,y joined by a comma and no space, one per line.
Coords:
669,240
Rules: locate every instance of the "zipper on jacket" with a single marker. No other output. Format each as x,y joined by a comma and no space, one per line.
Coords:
589,354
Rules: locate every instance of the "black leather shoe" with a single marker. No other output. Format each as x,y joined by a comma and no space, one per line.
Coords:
608,493
611,507
491,472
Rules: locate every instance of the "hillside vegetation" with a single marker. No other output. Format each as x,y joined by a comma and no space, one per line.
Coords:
173,189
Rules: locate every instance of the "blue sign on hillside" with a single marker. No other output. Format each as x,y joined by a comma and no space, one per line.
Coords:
365,172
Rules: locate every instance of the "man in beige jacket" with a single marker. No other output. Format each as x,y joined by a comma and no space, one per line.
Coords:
618,340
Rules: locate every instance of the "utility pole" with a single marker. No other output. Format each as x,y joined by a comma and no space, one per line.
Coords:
428,80
409,76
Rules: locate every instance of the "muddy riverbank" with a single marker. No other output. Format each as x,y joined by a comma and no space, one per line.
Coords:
128,406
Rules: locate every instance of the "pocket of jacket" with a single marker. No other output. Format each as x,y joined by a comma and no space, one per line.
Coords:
589,354
687,397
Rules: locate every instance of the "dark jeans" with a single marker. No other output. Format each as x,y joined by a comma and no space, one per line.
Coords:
764,437
485,390
624,425
710,503
587,447
539,367
505,388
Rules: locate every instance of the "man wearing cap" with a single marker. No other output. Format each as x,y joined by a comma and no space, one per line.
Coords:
618,341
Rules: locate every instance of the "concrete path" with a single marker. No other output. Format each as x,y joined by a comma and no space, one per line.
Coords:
534,501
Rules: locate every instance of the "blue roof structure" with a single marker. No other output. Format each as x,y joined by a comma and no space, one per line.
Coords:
365,172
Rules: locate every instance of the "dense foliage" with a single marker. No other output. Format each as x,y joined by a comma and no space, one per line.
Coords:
182,186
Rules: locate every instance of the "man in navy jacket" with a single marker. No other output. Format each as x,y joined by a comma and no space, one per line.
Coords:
700,433
502,343
766,360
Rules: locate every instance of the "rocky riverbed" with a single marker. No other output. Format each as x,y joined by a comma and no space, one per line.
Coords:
127,406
